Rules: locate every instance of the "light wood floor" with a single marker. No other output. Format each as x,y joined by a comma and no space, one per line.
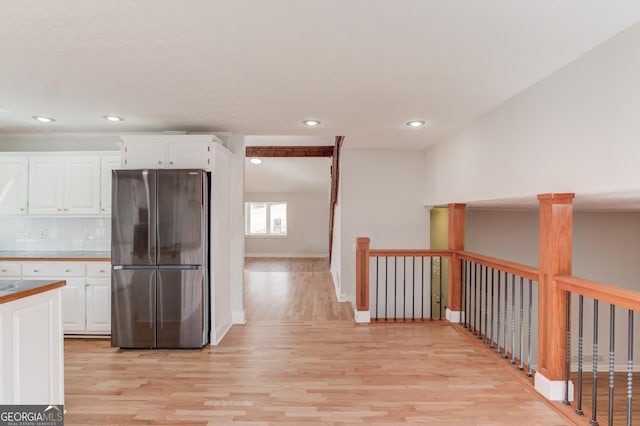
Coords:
302,372
619,396
291,289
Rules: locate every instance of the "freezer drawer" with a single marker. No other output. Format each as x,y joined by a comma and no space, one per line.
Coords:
133,308
182,309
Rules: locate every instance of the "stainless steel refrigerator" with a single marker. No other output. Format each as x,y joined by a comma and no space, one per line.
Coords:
160,251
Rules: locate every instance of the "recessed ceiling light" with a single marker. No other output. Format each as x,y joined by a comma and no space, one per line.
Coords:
256,161
311,123
113,118
416,123
43,119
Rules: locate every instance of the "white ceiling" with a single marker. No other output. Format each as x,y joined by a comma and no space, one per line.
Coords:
288,175
362,67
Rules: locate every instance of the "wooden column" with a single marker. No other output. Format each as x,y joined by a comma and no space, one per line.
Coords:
362,274
456,242
556,224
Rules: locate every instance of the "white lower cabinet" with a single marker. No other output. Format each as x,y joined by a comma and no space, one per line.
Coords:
73,305
98,305
86,299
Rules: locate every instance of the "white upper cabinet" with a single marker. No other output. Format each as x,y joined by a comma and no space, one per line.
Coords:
144,155
82,185
190,155
46,178
64,185
168,151
14,174
108,165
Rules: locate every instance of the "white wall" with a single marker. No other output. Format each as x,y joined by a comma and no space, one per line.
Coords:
506,234
382,194
34,142
575,131
55,234
307,226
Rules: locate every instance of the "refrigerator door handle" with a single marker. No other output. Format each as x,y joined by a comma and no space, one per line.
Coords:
142,267
180,267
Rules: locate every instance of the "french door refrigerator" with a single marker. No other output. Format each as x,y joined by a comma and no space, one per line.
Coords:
159,251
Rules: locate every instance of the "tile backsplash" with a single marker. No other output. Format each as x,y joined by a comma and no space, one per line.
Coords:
60,233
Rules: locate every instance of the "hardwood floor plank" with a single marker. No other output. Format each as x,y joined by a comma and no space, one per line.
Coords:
290,371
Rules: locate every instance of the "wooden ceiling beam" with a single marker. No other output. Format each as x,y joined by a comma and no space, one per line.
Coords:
290,151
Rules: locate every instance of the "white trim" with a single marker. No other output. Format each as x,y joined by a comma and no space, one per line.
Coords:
361,317
238,317
453,316
319,255
343,298
553,390
219,334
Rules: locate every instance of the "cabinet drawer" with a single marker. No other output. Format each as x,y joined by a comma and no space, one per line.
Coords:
10,269
38,269
99,269
53,269
72,269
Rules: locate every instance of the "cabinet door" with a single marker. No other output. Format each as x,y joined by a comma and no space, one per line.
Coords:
108,165
189,155
144,155
13,185
99,305
82,185
73,305
46,176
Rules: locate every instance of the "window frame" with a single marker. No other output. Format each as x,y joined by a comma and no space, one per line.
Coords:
268,234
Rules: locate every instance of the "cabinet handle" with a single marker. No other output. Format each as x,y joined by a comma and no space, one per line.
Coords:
22,209
170,162
67,270
4,270
66,210
59,210
86,285
36,270
159,162
101,270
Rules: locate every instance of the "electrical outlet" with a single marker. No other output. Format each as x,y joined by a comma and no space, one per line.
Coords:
43,233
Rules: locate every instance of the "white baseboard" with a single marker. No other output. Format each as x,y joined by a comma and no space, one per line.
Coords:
220,332
238,317
553,390
361,317
454,316
297,255
343,298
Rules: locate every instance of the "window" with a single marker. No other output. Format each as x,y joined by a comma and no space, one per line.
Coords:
266,219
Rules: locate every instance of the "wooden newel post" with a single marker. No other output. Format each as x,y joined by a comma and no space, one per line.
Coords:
555,240
456,242
362,274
